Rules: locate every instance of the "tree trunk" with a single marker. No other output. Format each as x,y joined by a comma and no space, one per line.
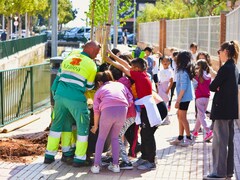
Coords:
19,26
92,15
107,32
8,27
29,25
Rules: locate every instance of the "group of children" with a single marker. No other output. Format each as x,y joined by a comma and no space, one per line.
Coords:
125,96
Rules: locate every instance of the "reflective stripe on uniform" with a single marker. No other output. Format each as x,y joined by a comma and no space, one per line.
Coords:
90,84
66,148
81,149
71,81
80,157
51,153
55,134
52,144
82,138
90,87
74,75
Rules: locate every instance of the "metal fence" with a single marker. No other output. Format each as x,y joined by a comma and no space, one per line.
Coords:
10,47
22,91
205,31
149,32
233,27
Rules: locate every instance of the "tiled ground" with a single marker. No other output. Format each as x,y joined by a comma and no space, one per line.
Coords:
173,162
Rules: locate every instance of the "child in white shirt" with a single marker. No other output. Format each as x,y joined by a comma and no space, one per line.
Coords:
165,82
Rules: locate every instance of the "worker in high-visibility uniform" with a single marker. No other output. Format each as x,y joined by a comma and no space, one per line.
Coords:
76,75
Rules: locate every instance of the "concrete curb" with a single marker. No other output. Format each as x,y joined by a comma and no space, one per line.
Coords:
19,123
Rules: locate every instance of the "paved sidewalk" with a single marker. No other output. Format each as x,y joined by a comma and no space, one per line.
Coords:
174,162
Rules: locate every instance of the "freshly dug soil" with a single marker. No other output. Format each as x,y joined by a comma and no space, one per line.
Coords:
24,148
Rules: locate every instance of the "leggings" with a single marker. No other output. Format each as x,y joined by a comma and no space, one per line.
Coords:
111,121
127,124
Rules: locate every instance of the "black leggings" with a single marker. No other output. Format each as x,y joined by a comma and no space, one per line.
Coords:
172,93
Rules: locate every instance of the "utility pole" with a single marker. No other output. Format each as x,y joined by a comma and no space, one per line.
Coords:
26,25
54,27
3,22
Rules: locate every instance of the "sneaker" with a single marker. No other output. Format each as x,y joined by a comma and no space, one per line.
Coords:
138,162
106,161
212,176
187,142
166,122
114,168
95,169
147,166
176,142
195,134
209,136
125,165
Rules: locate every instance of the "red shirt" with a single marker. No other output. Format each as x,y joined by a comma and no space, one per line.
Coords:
142,83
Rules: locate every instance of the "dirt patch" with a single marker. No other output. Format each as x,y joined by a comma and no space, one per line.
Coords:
24,148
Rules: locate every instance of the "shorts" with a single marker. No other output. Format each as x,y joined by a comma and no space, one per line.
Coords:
162,108
155,78
184,105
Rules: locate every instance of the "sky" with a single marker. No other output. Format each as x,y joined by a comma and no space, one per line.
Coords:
81,6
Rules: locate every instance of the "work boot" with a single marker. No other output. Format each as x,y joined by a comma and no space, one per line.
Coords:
67,159
48,160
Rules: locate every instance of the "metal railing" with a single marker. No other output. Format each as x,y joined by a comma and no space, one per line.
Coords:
205,31
149,32
10,47
22,91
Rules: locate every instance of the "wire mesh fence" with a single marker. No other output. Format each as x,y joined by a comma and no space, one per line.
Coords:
233,27
149,33
205,31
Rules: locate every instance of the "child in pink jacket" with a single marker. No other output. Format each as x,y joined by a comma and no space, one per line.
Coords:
110,105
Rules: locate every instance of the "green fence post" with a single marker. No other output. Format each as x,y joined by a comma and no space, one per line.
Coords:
31,89
1,96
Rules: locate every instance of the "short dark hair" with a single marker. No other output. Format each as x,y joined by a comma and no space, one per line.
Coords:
103,67
115,51
148,49
175,53
140,63
193,45
116,73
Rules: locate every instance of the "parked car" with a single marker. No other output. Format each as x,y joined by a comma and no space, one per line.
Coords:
47,32
87,35
120,36
76,34
130,38
15,35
